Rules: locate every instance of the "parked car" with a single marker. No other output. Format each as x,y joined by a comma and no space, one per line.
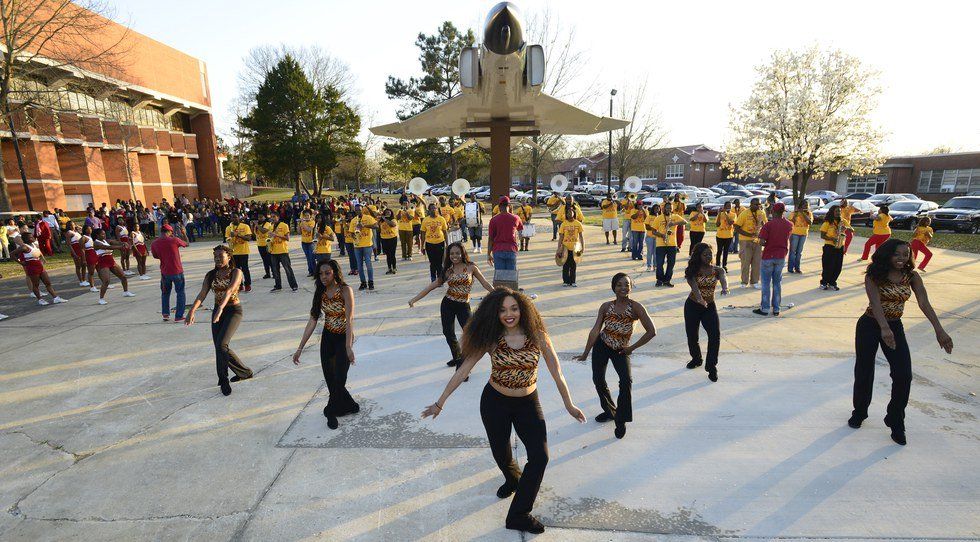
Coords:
652,200
717,191
906,214
584,199
727,186
597,190
712,206
768,187
864,211
855,196
886,199
961,214
815,203
784,193
828,195
705,193
744,194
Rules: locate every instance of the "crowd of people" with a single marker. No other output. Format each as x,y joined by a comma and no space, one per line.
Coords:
506,324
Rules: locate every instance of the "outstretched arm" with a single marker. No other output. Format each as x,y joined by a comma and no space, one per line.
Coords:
425,291
458,377
479,276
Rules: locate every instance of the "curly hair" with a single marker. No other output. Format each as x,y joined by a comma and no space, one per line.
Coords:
484,329
881,261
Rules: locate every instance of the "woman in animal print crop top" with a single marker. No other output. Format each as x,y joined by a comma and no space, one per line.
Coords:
889,282
457,274
334,300
611,338
225,280
507,326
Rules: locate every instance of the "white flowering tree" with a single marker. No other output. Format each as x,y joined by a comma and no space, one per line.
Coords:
809,114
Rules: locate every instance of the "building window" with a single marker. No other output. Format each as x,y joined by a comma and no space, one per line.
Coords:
868,184
948,181
674,171
598,176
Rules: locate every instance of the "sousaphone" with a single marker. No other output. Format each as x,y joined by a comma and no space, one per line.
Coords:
418,186
559,183
461,187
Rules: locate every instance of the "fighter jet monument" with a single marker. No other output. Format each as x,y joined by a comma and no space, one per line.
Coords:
501,101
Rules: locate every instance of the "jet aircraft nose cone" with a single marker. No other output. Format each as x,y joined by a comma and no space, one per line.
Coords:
503,31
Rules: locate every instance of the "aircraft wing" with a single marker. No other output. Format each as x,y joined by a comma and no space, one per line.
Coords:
444,120
554,116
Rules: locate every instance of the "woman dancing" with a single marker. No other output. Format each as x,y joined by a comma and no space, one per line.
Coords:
880,233
334,300
457,274
107,264
725,221
611,338
889,282
923,234
139,252
91,258
700,309
30,257
122,234
225,280
73,238
508,327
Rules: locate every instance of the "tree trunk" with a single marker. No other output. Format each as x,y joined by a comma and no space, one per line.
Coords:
20,157
4,194
297,182
535,162
797,196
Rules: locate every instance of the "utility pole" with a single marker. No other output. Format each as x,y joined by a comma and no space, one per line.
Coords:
609,154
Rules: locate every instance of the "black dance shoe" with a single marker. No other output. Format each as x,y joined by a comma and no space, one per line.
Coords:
604,417
506,490
332,422
363,286
713,375
620,431
225,388
898,433
694,364
854,422
237,378
526,523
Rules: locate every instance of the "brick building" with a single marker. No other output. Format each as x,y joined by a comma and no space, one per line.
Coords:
146,134
930,176
696,165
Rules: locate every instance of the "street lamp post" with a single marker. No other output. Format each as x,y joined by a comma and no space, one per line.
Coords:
609,154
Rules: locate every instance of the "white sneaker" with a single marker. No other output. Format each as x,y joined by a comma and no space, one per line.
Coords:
42,302
111,286
129,294
757,286
128,273
93,289
3,317
103,301
84,283
144,277
574,285
59,299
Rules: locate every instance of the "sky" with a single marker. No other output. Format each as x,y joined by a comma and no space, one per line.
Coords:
697,58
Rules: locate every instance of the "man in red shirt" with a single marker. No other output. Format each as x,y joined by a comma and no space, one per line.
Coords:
167,249
774,238
502,242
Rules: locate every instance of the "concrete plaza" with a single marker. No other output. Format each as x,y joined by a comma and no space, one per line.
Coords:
112,426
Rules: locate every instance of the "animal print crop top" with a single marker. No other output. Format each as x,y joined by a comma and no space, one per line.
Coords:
893,297
706,285
220,285
514,368
618,328
458,286
334,312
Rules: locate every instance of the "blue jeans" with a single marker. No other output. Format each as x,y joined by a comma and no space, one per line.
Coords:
310,257
505,260
168,283
733,249
666,255
363,256
772,273
651,250
796,243
626,234
636,244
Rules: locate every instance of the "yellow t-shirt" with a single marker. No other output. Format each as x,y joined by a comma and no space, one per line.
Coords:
751,223
637,220
405,217
434,229
365,237
238,247
660,224
845,214
278,245
525,212
388,232
678,207
552,201
609,208
800,226
627,208
650,224
448,213
307,228
570,230
831,231
262,237
578,213
697,221
726,225
923,234
323,244
881,226
460,212
419,215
